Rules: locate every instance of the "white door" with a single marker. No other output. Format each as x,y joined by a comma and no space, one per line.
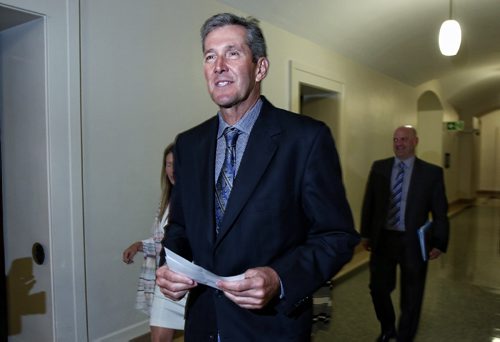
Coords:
41,170
25,182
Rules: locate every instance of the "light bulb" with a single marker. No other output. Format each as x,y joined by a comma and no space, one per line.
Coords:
450,37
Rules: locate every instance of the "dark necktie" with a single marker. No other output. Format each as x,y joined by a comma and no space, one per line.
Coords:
224,183
394,217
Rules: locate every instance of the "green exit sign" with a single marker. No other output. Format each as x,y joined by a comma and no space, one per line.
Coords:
455,126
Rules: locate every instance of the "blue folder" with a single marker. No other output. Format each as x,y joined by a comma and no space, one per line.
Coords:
421,237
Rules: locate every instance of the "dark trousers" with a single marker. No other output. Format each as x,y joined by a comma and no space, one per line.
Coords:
394,250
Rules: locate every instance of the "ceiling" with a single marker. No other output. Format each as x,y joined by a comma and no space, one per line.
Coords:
399,39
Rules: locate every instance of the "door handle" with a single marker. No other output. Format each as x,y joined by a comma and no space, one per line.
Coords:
38,253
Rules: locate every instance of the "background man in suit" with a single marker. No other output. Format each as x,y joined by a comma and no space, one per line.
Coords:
400,194
286,225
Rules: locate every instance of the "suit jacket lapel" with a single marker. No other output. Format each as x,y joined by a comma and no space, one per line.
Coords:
387,172
414,183
206,151
259,151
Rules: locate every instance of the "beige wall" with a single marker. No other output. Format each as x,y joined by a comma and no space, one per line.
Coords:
142,83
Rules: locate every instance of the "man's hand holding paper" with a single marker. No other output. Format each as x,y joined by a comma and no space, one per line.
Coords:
260,285
172,284
251,290
179,276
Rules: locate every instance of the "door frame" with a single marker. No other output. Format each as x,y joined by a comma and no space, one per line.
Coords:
3,291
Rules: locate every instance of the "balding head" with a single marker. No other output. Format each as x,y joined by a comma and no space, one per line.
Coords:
404,142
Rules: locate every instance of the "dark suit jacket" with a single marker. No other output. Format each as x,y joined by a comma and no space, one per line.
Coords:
287,210
426,194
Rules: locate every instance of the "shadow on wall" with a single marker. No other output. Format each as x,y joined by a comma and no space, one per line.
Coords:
20,302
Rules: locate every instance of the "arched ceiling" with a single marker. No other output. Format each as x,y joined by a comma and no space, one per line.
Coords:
399,39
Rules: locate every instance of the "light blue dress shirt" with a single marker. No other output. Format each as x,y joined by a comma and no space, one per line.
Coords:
245,125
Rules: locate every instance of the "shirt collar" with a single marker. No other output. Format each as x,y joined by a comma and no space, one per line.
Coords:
245,124
407,162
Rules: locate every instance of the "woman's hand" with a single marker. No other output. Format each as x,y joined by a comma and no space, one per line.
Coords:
131,251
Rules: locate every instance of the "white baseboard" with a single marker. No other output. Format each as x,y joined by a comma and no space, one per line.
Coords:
126,334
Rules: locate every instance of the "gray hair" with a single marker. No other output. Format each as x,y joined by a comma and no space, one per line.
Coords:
255,37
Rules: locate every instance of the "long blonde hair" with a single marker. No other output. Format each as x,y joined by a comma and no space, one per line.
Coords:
166,185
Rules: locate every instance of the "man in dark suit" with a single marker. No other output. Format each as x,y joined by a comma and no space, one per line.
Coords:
286,225
400,194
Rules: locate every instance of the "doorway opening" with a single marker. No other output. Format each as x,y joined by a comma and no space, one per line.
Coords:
316,94
321,104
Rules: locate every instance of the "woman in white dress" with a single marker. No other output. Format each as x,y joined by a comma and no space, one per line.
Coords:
166,316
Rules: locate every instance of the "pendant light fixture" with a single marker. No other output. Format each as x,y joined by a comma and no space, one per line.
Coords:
450,36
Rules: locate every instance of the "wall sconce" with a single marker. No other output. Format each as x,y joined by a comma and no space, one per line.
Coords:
450,36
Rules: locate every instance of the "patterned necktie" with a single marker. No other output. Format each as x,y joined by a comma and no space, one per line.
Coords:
225,181
397,193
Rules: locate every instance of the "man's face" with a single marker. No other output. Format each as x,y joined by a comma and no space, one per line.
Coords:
232,78
404,142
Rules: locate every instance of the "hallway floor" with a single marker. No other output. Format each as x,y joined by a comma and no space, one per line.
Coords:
462,298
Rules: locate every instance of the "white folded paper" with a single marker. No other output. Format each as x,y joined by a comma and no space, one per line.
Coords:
180,265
